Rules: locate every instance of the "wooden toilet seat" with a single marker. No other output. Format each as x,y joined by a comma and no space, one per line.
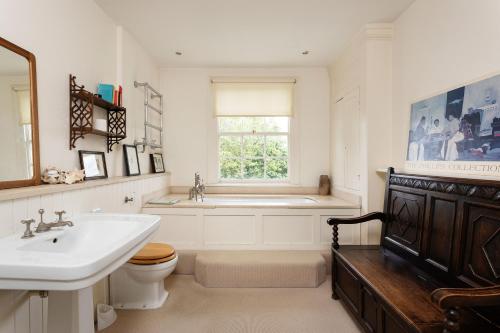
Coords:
153,254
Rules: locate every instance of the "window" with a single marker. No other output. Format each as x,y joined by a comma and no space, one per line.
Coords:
253,148
253,117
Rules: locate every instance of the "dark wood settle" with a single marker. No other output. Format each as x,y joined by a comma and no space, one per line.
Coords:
437,268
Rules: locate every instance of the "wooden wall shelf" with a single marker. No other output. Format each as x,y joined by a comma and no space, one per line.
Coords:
81,109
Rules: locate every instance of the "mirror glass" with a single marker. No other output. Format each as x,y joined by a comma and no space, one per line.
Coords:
16,147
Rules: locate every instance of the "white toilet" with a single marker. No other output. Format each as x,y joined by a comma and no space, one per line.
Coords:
139,284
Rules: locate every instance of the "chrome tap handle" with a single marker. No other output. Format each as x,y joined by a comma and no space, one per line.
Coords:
28,233
41,212
60,214
196,179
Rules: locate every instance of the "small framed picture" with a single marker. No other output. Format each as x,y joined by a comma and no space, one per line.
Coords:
131,160
94,164
157,163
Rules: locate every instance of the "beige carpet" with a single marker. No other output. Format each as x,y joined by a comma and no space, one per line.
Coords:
260,269
192,308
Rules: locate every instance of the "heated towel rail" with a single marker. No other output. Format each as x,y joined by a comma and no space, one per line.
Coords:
149,94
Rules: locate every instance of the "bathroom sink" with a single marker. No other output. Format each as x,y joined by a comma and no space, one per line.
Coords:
72,258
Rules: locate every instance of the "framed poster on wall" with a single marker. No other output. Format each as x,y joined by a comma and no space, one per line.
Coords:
457,131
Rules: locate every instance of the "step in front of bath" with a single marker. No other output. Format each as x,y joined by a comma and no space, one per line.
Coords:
260,269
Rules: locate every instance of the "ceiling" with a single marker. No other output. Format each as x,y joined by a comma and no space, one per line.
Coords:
229,33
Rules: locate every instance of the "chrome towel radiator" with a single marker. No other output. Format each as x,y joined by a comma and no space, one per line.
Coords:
149,94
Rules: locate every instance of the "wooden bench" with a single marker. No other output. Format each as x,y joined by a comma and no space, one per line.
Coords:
438,266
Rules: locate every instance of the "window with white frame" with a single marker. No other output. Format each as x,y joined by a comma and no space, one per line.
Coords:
253,130
254,148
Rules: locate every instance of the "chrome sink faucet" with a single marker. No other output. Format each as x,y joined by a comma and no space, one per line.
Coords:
43,227
198,189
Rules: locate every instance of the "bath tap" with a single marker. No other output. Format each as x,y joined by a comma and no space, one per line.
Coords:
43,227
198,189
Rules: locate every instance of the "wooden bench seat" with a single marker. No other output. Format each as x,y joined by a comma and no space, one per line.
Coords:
438,266
393,279
399,285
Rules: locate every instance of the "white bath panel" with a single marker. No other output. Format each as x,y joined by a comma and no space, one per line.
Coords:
229,230
283,229
178,230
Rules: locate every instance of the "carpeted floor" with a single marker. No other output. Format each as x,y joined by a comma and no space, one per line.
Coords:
192,308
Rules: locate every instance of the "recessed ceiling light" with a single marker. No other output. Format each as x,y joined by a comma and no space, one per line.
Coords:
305,52
179,53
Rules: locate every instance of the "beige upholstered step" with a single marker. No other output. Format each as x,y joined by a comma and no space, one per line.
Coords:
260,269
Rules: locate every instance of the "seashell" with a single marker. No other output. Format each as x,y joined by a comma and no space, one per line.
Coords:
51,175
75,176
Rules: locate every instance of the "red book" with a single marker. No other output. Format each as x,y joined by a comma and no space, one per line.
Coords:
120,94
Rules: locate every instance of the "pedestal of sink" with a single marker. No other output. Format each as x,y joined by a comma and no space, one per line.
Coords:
71,311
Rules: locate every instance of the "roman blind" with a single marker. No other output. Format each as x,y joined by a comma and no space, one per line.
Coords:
253,98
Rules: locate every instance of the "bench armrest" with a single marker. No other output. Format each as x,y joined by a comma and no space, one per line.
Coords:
335,221
450,300
354,220
447,298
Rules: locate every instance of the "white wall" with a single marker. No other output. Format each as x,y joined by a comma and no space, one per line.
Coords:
136,65
70,36
77,37
190,123
364,66
433,49
347,76
440,45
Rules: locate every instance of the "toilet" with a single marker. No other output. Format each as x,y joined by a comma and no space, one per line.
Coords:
139,284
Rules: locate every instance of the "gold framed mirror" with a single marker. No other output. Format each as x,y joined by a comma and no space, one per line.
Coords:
19,143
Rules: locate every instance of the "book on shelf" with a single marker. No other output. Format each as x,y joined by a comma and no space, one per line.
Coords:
106,91
111,93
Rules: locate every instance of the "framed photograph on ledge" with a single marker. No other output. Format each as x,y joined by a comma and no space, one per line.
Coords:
157,163
131,160
94,164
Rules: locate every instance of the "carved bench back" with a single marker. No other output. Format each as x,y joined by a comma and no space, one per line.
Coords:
449,227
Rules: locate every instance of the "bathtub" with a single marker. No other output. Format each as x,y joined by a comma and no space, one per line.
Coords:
252,222
244,200
258,200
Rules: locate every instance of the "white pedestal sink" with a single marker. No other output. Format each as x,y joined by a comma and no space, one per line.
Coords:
69,260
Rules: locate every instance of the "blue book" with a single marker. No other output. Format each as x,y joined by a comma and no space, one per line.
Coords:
106,91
